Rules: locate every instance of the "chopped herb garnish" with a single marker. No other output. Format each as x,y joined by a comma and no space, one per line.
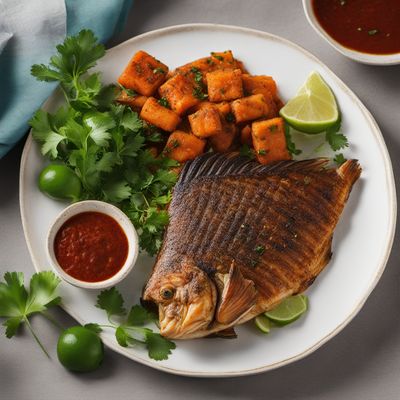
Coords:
171,146
129,92
373,32
259,249
246,151
199,94
174,144
217,56
230,117
339,159
253,263
273,128
158,70
164,102
262,152
198,76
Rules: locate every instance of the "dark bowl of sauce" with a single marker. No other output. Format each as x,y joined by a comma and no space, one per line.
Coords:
92,244
367,31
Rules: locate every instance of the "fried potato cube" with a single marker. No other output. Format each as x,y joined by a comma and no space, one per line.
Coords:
160,116
222,142
217,60
224,108
206,122
245,135
260,84
251,108
182,146
179,92
224,85
269,140
144,74
134,102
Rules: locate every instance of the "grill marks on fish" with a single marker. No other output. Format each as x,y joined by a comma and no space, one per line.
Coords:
225,207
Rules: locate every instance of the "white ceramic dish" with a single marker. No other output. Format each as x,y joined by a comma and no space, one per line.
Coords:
117,215
365,58
362,240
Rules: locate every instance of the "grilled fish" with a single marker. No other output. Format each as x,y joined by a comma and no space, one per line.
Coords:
242,237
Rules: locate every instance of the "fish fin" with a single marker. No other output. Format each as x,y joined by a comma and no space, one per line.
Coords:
350,171
228,333
238,296
217,164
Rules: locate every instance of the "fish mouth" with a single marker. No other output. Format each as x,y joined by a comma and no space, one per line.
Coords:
180,320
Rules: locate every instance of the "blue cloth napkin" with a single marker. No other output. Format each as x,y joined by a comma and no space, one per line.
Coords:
29,32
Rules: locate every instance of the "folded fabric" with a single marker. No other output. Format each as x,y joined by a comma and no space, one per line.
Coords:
29,32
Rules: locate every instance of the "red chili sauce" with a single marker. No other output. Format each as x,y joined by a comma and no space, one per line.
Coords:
369,26
91,247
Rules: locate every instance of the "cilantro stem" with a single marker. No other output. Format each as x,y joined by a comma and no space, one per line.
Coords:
35,337
145,200
108,326
52,320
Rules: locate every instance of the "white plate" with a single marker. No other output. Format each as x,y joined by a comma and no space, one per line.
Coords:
362,240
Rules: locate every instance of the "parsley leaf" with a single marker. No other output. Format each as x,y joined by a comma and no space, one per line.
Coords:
131,331
96,328
17,304
100,124
336,139
159,347
111,301
339,159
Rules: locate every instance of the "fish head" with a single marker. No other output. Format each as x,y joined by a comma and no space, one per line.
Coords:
186,297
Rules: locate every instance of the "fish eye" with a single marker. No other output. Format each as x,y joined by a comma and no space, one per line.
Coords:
167,293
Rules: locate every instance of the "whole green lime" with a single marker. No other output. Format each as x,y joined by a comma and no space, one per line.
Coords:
80,349
60,182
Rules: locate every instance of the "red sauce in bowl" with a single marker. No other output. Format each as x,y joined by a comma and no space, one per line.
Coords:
91,247
368,26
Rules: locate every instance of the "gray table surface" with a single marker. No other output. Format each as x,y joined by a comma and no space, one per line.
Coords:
362,362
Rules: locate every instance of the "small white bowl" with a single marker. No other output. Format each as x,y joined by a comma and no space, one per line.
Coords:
117,215
365,58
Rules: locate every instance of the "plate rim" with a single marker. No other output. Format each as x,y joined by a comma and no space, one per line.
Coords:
390,183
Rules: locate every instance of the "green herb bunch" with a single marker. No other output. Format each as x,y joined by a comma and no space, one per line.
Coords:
104,143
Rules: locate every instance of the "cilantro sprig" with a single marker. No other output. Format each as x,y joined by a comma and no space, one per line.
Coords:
18,304
130,329
335,137
106,144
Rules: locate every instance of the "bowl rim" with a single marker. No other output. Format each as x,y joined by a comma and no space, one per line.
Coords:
365,58
104,208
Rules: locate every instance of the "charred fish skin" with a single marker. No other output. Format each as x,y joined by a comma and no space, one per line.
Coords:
262,232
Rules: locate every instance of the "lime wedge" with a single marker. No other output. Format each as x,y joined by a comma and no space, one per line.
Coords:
288,310
314,107
263,323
